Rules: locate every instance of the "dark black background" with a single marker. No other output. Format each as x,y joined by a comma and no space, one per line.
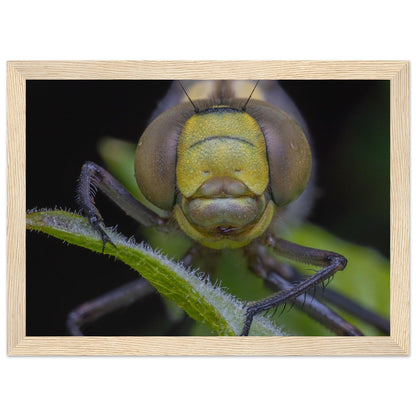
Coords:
349,123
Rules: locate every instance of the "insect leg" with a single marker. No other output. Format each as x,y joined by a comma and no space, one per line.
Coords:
116,299
343,302
355,309
330,261
94,309
317,310
94,176
272,272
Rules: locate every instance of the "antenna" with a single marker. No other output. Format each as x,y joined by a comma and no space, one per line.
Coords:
189,98
243,108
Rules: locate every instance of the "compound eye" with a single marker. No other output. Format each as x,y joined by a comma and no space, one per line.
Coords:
155,162
288,152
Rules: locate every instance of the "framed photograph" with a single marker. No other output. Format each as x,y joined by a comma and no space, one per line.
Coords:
252,208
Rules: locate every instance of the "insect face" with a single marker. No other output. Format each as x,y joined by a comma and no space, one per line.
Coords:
225,170
222,176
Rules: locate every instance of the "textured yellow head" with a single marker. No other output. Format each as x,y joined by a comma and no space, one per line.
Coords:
222,174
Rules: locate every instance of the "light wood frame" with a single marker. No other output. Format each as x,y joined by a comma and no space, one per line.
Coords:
395,71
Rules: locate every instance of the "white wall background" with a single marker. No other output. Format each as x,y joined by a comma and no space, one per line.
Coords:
181,29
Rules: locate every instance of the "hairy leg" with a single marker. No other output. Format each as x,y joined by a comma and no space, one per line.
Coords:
329,261
95,177
275,274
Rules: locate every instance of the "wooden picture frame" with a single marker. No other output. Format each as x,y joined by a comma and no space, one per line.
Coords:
397,72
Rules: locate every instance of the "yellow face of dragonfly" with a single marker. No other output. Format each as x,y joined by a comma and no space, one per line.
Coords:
222,175
223,171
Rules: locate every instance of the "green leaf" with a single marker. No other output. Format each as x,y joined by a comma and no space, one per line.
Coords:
190,290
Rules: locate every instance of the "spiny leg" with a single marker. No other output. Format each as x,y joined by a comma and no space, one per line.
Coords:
95,177
317,310
330,261
337,299
275,274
